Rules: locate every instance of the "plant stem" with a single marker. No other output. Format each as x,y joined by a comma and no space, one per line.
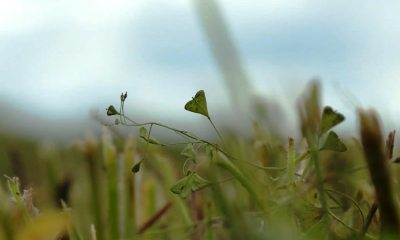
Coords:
351,199
226,163
230,167
378,164
370,216
154,218
291,161
178,131
320,185
95,195
216,130
111,163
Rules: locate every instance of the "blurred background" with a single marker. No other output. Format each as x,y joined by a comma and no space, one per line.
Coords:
63,62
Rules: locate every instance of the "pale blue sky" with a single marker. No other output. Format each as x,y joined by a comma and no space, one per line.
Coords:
64,58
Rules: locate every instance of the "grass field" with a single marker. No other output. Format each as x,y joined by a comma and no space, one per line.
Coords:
319,186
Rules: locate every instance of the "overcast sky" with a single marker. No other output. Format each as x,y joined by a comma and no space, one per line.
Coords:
64,58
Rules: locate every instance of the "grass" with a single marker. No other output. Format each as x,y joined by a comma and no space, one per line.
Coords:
264,187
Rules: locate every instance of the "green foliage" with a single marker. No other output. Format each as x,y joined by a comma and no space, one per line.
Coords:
189,153
258,187
198,104
112,111
329,119
136,167
333,143
192,182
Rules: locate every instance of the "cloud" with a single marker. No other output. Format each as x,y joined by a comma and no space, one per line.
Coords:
68,56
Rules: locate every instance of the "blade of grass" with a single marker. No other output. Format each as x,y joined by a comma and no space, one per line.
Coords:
111,164
376,158
154,218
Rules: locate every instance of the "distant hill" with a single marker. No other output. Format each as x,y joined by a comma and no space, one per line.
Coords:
16,121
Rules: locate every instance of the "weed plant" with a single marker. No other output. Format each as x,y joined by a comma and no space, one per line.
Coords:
266,187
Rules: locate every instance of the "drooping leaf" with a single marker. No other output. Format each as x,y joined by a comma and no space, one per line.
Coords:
183,186
190,183
136,167
333,143
198,104
330,118
112,111
189,153
198,183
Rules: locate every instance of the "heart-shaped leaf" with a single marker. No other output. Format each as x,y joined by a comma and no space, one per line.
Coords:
190,183
198,104
198,183
330,118
333,143
136,167
112,111
182,187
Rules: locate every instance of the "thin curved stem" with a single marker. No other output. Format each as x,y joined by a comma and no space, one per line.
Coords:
370,216
181,143
351,199
185,133
216,130
341,221
346,225
265,168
